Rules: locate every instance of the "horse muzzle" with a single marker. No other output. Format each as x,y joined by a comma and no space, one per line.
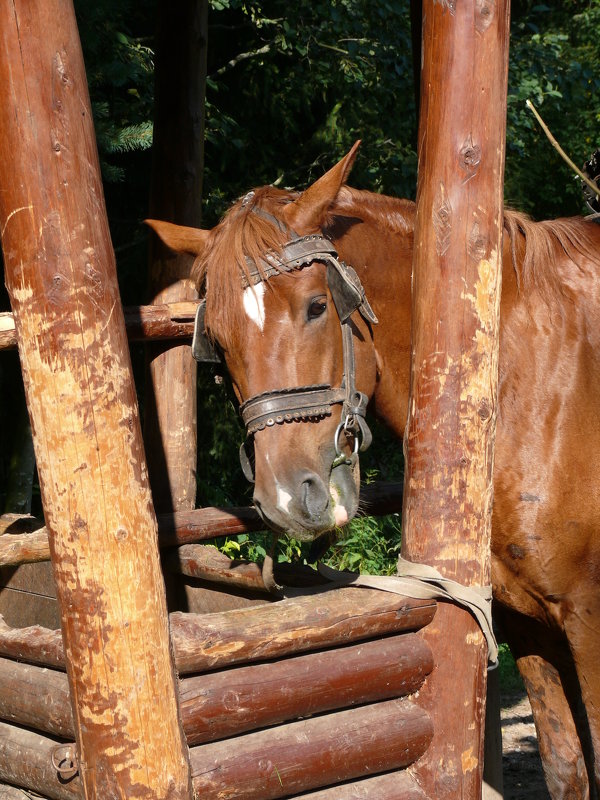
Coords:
306,501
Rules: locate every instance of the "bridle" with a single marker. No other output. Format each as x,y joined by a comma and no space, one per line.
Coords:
312,402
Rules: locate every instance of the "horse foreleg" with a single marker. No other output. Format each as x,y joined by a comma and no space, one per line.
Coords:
536,650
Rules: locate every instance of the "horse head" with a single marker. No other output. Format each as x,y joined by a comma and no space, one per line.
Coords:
294,327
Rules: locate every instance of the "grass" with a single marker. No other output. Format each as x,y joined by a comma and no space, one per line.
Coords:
510,678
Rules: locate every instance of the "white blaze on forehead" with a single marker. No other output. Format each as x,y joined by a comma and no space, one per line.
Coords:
254,304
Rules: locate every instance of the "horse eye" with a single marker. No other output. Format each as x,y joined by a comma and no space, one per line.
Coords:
317,307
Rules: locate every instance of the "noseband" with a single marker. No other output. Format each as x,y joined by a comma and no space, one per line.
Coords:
313,402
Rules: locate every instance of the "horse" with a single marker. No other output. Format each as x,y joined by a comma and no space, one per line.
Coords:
309,342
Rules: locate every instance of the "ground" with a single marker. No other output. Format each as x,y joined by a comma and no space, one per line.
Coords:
521,765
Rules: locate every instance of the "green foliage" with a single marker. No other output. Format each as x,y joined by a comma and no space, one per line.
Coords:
295,86
369,545
245,547
120,77
510,678
220,433
555,62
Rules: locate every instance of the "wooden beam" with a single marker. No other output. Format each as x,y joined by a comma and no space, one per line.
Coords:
61,279
204,642
26,760
265,765
223,704
28,538
450,432
393,786
301,624
155,323
175,196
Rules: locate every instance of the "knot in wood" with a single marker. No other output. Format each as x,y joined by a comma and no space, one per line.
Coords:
442,222
449,5
58,289
485,409
231,700
484,14
266,766
470,157
121,534
476,245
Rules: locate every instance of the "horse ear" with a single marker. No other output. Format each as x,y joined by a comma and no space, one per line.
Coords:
178,237
308,211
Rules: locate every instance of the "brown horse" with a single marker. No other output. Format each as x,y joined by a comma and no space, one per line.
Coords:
280,324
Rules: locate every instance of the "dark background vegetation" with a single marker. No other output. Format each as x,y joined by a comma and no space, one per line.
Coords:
289,88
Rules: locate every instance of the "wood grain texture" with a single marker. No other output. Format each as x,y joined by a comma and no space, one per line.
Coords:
204,642
226,703
301,624
28,540
26,760
61,278
223,704
449,439
156,322
393,786
265,765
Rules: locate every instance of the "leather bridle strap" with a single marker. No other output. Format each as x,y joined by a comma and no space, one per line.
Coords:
316,401
313,402
286,405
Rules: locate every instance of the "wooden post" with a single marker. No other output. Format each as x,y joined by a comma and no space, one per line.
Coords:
451,426
176,194
61,278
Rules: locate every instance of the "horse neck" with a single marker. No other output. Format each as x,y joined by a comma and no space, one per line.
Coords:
375,237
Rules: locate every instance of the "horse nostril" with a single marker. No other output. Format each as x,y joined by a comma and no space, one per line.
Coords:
314,495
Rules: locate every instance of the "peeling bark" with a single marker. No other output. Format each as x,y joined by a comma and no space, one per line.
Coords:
61,279
449,438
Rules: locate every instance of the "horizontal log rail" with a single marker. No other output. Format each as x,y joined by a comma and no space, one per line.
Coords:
266,765
24,539
206,563
205,642
301,624
156,322
391,786
26,760
234,701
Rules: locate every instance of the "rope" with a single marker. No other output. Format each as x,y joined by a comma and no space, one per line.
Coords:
425,583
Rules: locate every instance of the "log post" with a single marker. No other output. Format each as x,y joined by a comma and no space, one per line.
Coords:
176,194
61,278
449,438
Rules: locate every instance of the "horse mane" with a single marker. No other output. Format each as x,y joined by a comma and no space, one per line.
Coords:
535,247
241,236
244,236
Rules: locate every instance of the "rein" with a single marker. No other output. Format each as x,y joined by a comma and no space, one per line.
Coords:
311,402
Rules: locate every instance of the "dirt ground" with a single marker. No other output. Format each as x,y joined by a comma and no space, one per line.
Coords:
521,765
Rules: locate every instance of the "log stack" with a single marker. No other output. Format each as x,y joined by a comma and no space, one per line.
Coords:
309,694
